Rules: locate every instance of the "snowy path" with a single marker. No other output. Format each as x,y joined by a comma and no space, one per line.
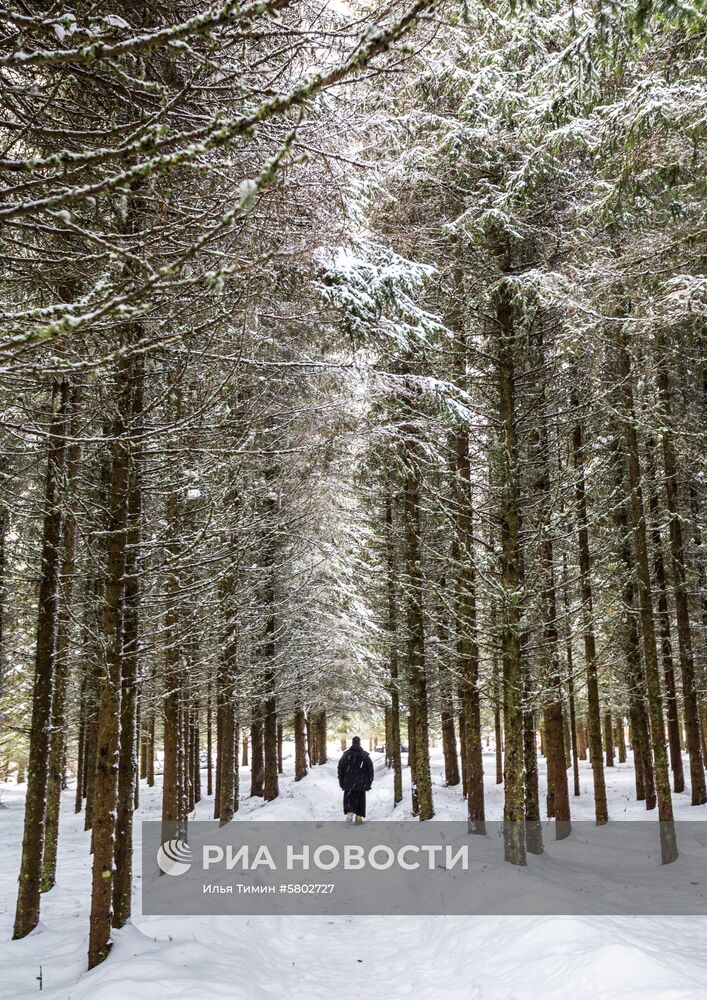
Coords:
322,958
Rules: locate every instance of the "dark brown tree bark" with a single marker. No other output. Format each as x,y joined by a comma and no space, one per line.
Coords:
107,746
309,734
533,828
267,647
466,624
569,655
172,776
669,850
138,749
322,737
228,758
449,736
663,617
608,738
497,725
558,803
257,763
701,579
621,739
89,769
57,753
151,750
509,515
127,764
680,590
300,745
143,745
446,698
4,523
635,680
270,770
219,743
81,746
209,748
467,646
412,763
415,652
596,758
28,896
393,744
226,801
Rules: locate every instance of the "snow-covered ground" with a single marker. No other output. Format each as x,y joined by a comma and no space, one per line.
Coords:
322,958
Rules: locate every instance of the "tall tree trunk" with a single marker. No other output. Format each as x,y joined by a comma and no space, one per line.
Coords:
497,726
57,753
227,757
663,614
89,769
635,679
680,591
596,757
701,577
322,737
668,841
270,771
172,730
393,746
300,745
93,646
81,745
462,742
138,748
417,679
465,581
449,736
621,738
226,801
533,828
557,790
509,514
309,733
107,746
127,765
209,748
4,524
28,896
573,745
257,764
465,618
411,763
609,738
151,750
280,759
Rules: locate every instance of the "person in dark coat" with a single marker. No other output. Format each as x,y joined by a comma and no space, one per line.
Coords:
355,778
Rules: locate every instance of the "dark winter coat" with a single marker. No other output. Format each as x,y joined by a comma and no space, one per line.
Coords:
355,770
356,778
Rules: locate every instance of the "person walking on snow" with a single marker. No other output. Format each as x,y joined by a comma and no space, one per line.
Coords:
355,778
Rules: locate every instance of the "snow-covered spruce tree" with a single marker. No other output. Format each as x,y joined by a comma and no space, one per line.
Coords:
129,189
503,174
